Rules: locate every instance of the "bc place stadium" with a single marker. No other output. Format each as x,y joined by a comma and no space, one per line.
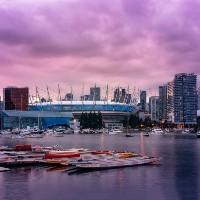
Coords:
115,106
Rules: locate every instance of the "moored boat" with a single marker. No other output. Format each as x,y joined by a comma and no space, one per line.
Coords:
118,163
57,134
198,134
17,136
62,151
125,155
36,135
61,155
114,131
156,131
4,169
129,135
100,152
146,134
69,131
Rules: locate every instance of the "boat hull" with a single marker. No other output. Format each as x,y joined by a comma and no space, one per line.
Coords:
61,155
117,163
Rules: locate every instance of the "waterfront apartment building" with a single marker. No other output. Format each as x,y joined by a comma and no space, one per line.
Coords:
16,98
166,104
143,100
185,99
95,93
154,108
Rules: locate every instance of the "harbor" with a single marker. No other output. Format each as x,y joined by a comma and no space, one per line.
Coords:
47,181
75,158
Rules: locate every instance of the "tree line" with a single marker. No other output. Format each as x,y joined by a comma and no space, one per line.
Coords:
91,120
94,121
135,122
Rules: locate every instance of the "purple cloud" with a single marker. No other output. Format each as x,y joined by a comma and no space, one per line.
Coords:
126,42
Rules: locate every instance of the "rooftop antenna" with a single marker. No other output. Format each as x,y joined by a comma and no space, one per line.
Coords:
106,95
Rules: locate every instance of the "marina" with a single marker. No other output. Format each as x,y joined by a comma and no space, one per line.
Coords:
55,176
23,155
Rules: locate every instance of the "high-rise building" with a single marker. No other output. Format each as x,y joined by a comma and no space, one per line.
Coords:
95,93
120,95
128,98
185,99
143,100
1,104
86,97
69,97
163,103
166,105
154,108
16,98
199,99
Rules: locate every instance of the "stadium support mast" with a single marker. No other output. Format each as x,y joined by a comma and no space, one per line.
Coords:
59,96
49,98
83,97
38,95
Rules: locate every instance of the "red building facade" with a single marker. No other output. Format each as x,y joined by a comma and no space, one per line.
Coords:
16,98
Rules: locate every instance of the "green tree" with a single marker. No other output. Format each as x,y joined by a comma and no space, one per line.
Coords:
84,120
94,121
99,120
90,120
134,121
147,122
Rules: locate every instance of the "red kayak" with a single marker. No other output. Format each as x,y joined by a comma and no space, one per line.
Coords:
61,155
100,152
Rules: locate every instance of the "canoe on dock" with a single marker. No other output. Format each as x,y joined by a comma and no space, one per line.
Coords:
118,163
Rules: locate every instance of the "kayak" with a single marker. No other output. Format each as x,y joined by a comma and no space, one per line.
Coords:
60,155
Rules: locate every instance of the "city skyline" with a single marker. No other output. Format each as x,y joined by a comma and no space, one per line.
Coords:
98,42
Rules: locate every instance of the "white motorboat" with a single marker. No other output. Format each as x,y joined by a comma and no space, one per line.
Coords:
49,132
36,135
58,134
69,131
198,134
3,169
76,130
25,132
114,131
36,130
59,130
6,132
157,131
16,131
17,136
185,131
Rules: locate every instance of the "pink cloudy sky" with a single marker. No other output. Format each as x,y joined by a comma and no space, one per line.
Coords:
139,43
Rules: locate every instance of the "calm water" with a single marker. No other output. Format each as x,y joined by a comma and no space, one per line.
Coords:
177,176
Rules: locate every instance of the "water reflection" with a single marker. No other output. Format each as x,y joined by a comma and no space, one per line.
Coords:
176,177
186,170
16,184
